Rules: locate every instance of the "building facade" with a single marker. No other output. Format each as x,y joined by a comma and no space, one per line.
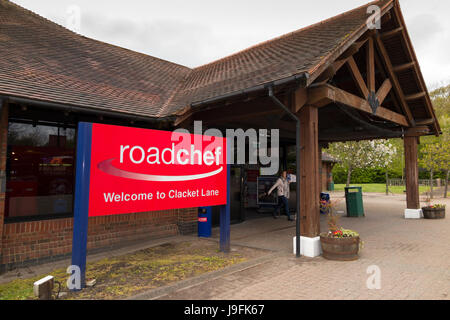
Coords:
339,79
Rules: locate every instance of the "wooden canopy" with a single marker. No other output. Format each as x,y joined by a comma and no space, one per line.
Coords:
370,86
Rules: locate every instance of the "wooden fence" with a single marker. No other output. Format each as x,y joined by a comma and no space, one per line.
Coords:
422,182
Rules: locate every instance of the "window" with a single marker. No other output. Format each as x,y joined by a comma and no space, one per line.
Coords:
40,170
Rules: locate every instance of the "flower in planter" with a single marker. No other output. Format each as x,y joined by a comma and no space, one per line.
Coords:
432,206
337,233
339,243
436,206
343,233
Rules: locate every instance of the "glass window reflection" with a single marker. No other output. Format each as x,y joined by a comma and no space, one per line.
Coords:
40,170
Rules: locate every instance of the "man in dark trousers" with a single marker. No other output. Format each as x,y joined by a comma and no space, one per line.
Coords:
282,186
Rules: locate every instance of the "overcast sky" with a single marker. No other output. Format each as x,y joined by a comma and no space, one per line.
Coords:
196,32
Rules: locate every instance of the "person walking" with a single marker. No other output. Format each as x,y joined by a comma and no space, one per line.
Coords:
282,185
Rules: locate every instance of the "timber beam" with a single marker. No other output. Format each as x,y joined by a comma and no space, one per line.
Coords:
380,67
300,97
396,85
359,80
330,71
391,33
425,122
334,67
417,131
354,48
325,94
415,96
403,67
384,90
370,62
320,96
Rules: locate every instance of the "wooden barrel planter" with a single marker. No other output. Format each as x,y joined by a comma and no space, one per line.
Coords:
341,249
433,213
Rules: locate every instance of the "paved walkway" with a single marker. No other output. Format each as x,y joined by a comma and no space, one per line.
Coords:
413,257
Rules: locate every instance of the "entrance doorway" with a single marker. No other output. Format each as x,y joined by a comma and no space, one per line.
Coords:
243,192
236,188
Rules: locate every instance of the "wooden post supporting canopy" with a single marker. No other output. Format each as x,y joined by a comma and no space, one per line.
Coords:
412,172
309,172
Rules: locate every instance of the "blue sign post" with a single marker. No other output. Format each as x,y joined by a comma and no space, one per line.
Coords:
225,212
81,207
225,219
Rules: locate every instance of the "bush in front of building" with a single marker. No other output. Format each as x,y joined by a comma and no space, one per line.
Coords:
376,175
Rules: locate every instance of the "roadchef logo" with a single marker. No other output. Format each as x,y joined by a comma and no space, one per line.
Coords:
175,155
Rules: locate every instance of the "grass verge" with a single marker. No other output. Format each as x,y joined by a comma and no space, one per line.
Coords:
123,276
379,188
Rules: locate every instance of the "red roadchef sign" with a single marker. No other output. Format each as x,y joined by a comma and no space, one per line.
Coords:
138,170
124,170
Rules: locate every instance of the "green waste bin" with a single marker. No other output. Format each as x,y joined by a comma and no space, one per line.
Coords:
354,202
331,186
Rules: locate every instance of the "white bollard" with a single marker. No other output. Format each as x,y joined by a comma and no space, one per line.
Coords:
309,247
413,213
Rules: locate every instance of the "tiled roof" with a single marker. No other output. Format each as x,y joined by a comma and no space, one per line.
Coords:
44,61
291,54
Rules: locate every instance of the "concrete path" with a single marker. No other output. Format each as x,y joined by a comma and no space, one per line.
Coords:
412,256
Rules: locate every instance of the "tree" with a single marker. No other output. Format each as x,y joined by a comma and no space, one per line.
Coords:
444,157
384,155
432,160
357,155
441,102
440,145
445,165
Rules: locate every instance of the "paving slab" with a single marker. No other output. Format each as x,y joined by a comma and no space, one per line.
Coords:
412,257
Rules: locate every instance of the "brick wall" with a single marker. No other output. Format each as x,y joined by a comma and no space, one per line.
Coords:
36,242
